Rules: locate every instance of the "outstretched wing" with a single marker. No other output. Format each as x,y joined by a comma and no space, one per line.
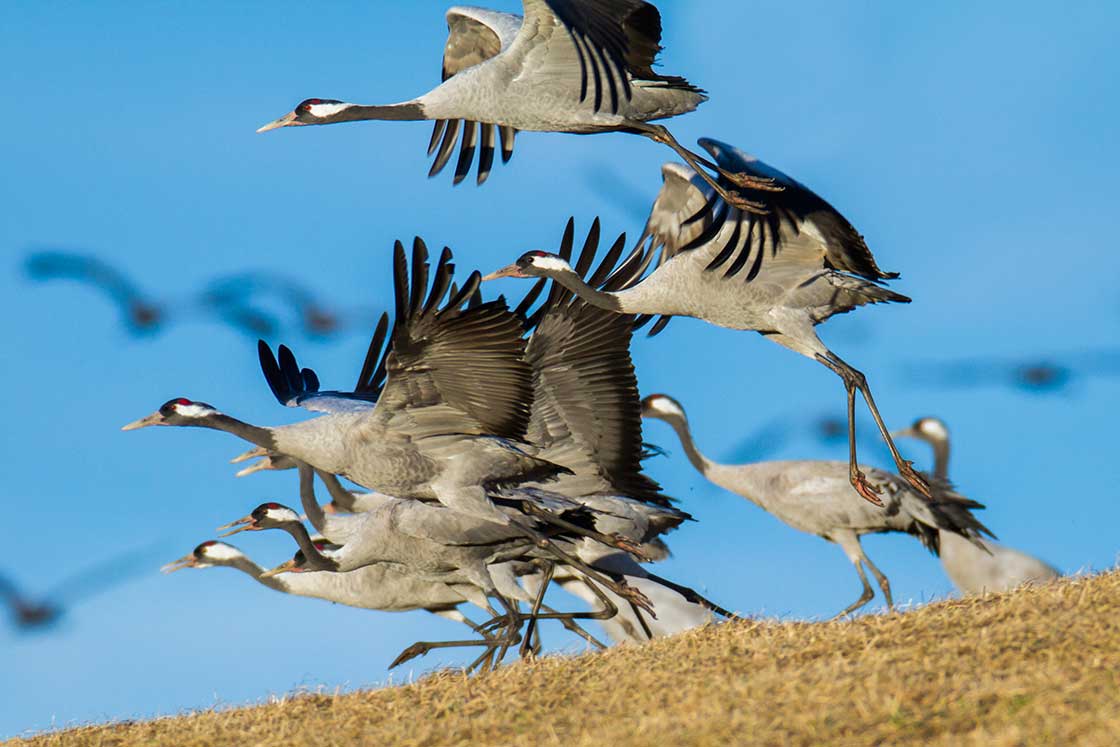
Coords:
453,366
799,227
299,387
605,42
586,411
474,35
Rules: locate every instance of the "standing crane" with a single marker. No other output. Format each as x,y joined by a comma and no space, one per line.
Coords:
974,570
812,496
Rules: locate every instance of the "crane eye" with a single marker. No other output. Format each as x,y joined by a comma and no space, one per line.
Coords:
306,105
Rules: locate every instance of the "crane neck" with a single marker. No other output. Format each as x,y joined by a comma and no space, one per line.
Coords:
315,513
251,569
406,111
571,280
316,559
252,433
703,464
740,479
940,459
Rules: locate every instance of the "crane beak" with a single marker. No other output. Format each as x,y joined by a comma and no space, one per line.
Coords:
187,561
512,271
154,419
256,451
263,464
904,433
285,121
287,567
244,524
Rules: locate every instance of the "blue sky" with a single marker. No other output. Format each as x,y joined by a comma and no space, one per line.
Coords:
973,144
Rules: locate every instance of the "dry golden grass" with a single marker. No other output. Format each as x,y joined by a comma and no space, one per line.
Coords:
1037,666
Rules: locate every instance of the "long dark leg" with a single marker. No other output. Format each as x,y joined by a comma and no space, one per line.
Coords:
531,628
661,134
511,621
618,587
693,596
574,627
884,584
610,540
849,542
853,380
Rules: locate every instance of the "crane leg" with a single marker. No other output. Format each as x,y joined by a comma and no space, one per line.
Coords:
661,134
884,584
849,543
618,587
853,380
510,620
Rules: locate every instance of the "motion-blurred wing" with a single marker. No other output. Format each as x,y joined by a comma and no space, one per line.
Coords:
452,369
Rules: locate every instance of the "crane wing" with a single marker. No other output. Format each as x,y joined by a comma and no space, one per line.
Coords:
799,230
586,411
604,43
299,387
452,369
474,35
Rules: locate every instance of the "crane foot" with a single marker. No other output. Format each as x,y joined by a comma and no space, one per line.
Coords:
915,478
866,490
763,183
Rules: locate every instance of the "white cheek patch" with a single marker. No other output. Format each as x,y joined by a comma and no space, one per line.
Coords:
327,110
221,551
934,429
194,411
665,407
550,263
279,514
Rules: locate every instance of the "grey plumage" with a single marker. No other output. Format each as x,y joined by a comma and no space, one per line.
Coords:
779,274
581,66
812,496
972,569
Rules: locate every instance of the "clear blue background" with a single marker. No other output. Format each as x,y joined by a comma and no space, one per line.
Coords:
974,144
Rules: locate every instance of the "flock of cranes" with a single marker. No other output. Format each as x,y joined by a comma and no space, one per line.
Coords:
495,449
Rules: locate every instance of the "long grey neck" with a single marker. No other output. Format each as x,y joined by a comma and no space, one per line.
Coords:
409,111
702,464
600,299
340,496
251,433
311,507
739,479
940,459
253,570
315,559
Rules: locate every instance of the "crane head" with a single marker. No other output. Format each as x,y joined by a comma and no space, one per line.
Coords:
932,430
207,555
662,407
533,264
308,112
264,516
178,411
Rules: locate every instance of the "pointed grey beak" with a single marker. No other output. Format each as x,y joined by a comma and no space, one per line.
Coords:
264,464
512,271
187,561
282,568
253,453
154,419
286,120
904,433
244,524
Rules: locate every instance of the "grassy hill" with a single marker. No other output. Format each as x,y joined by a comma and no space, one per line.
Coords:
1036,666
